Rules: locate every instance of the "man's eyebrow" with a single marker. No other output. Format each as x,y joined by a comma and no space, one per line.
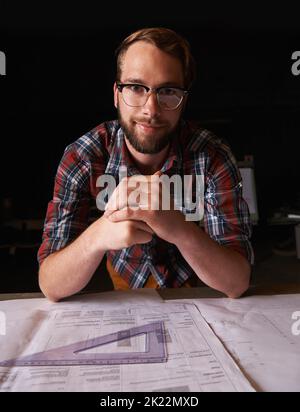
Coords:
133,80
142,82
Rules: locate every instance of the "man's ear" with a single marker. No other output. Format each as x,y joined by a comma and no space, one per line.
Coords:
115,95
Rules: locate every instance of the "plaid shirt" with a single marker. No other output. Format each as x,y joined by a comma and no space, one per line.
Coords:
195,151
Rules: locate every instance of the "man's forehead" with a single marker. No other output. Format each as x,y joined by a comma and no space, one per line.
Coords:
142,50
144,61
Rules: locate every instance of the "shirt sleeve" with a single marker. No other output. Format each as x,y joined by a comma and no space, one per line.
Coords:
226,213
68,211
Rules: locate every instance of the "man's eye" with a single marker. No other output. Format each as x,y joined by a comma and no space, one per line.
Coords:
135,88
168,92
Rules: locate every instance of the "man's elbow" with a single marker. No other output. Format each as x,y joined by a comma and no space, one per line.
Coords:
43,285
50,296
237,293
47,293
239,289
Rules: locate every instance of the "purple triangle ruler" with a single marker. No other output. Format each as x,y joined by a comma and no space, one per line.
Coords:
73,354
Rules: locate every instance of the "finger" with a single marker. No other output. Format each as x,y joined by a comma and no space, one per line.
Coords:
137,198
125,214
121,195
124,205
142,226
112,201
139,184
120,215
118,196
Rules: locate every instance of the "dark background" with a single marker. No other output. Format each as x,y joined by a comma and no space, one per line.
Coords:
60,72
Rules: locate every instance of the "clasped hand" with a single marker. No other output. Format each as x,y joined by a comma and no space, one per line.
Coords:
147,199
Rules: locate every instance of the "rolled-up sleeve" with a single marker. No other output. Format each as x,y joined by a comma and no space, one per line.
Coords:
68,211
226,213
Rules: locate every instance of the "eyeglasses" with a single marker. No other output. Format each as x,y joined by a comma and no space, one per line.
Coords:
136,95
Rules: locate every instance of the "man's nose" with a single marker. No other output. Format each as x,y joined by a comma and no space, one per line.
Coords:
152,107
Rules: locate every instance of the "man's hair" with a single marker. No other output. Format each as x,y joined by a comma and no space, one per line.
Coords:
166,40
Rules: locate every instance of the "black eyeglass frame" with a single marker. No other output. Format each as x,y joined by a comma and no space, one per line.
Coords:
120,87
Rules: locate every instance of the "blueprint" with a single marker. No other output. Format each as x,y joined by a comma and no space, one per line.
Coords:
196,358
262,333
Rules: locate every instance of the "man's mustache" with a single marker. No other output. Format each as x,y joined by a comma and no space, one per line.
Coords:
150,122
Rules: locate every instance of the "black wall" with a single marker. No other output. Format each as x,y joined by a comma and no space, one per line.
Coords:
60,72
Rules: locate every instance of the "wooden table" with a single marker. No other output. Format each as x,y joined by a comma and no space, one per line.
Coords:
188,293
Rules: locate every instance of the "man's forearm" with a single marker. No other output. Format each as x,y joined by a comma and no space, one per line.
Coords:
218,266
67,271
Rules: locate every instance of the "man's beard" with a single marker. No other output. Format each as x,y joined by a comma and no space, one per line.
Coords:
150,146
